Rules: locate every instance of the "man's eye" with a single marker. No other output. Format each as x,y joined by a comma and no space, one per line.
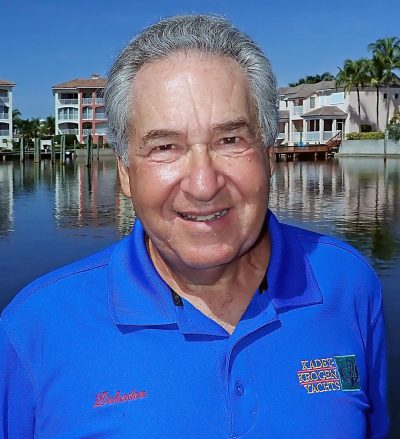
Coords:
230,140
166,147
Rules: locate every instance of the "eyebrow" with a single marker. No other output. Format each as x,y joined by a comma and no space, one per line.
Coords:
159,134
231,125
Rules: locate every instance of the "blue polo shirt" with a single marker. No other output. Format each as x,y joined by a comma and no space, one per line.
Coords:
103,349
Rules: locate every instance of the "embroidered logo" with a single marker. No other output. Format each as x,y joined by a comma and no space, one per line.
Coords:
329,374
104,398
348,372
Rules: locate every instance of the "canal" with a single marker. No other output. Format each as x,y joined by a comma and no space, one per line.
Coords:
53,214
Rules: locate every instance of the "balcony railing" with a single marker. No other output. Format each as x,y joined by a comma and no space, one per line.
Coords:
295,136
101,131
87,101
68,101
87,116
312,136
4,132
99,100
68,117
4,100
87,131
69,131
297,110
100,115
4,116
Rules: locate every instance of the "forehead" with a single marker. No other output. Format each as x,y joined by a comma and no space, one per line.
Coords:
190,88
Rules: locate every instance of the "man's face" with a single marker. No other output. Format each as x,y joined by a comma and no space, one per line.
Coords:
198,173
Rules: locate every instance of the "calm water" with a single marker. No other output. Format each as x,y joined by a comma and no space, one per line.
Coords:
51,215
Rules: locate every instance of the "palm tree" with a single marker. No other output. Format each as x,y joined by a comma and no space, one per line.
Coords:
353,74
16,120
385,60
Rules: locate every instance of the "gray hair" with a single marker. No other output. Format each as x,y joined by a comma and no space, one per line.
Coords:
209,34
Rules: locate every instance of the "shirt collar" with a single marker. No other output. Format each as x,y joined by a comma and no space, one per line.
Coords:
139,296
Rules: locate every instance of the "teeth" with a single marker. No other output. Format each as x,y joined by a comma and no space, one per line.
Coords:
211,217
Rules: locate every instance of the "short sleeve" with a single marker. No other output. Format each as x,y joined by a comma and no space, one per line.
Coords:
378,420
17,407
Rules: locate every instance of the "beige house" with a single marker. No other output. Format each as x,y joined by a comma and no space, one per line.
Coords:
6,109
79,108
314,113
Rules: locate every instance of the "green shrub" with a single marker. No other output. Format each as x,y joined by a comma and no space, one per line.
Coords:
394,131
373,135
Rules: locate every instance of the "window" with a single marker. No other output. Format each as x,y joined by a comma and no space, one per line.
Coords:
396,96
312,102
384,95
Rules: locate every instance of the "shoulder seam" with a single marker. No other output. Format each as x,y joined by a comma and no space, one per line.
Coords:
23,363
61,276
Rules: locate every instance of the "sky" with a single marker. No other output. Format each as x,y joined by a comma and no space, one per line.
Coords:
47,42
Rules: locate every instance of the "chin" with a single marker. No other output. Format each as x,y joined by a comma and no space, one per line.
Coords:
207,258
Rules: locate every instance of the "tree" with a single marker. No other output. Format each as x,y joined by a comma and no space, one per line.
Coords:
47,126
385,60
313,79
16,120
353,74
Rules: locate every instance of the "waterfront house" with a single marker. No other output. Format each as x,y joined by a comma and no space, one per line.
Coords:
79,108
314,113
6,109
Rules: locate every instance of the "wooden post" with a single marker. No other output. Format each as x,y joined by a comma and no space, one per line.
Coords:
52,151
89,147
99,144
62,152
36,151
21,149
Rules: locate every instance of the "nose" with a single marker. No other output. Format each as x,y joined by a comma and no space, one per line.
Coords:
203,180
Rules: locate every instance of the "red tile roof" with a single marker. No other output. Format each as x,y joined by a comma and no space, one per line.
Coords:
97,82
8,83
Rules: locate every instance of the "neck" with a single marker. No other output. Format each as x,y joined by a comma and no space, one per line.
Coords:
221,293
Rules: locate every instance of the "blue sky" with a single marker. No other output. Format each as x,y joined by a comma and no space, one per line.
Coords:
46,42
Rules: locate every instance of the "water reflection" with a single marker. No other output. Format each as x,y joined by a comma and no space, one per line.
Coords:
353,198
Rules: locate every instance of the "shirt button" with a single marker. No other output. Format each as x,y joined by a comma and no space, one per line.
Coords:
239,389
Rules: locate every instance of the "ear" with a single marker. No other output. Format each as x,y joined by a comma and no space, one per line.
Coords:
123,173
271,159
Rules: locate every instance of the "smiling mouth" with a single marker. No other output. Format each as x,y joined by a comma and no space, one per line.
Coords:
203,218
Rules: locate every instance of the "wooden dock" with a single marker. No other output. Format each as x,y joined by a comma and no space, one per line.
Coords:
309,151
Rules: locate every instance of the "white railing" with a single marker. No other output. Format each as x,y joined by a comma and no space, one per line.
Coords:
4,132
312,136
69,131
87,116
297,109
87,101
99,100
4,100
295,136
87,131
4,116
68,101
67,117
100,115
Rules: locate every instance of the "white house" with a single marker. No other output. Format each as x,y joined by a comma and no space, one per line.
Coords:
314,113
6,109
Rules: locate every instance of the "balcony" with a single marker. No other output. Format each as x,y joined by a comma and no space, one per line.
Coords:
4,100
297,110
101,116
68,101
4,132
101,131
87,131
295,137
100,101
4,116
87,101
69,131
68,117
87,116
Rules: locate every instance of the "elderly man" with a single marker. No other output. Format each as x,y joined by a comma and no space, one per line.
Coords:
212,320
